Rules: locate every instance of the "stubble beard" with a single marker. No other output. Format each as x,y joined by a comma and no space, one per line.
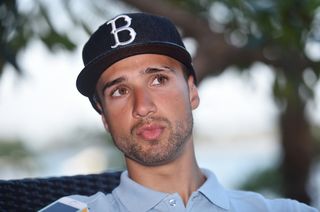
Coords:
156,152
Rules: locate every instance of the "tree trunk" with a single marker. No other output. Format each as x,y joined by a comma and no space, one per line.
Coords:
297,148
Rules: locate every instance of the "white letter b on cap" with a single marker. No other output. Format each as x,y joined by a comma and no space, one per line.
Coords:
125,27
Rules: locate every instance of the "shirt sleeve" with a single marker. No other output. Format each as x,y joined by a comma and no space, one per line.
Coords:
290,205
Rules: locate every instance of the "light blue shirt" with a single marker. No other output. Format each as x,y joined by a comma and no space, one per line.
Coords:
211,196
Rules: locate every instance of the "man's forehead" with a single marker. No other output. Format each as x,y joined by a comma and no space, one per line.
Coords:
140,64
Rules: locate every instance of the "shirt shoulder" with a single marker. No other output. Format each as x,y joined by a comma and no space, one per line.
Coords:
251,201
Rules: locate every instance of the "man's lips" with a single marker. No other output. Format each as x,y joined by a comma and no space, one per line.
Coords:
150,131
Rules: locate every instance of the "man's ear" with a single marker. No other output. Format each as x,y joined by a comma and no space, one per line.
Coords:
193,93
103,118
104,121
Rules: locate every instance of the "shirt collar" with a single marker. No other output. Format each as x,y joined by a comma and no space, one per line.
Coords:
213,191
135,196
139,198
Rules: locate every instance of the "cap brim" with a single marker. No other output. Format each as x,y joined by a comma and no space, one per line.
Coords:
89,76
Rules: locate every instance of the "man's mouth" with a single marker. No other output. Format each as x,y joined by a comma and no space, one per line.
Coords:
150,132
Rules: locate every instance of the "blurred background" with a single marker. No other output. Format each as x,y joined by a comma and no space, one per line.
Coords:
258,66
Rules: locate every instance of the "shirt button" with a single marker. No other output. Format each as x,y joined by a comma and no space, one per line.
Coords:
172,202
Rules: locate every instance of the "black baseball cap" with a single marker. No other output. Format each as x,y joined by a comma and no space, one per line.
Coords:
127,35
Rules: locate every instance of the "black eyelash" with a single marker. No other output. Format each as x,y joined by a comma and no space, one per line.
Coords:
161,76
115,89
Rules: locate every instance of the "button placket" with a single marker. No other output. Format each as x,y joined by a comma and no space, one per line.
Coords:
174,203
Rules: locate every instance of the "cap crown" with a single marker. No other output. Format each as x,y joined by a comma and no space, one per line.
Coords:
118,33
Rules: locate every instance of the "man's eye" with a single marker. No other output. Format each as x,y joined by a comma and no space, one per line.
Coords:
119,92
159,80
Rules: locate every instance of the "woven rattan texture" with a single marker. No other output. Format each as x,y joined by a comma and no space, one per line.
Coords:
33,194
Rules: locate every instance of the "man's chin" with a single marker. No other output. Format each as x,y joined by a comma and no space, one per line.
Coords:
151,161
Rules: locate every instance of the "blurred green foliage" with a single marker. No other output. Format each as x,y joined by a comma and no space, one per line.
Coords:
18,28
14,150
282,29
285,23
15,155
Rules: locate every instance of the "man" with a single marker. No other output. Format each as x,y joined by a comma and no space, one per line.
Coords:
139,77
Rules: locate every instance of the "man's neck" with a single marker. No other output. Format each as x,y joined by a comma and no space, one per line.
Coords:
181,176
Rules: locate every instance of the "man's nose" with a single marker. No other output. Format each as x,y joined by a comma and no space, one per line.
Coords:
143,104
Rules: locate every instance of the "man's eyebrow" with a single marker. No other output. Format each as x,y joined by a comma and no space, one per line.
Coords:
152,70
112,83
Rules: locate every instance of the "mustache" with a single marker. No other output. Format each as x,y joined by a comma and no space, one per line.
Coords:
149,120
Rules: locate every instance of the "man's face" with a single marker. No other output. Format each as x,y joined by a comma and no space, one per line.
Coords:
147,107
